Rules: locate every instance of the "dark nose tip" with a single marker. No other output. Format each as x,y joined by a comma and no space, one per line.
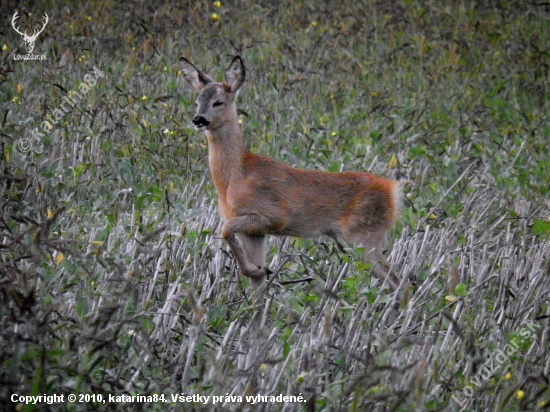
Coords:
200,121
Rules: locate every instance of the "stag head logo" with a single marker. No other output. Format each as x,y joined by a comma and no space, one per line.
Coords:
29,40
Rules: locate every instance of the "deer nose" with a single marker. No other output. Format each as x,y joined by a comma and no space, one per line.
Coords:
200,121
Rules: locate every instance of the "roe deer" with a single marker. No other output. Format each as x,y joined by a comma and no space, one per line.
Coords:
260,196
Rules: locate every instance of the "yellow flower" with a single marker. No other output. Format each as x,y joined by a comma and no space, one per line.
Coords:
507,376
520,394
5,47
59,258
217,4
301,376
143,97
215,16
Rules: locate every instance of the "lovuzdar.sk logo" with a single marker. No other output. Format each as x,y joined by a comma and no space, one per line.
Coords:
29,39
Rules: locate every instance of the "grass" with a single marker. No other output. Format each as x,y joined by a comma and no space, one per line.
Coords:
114,279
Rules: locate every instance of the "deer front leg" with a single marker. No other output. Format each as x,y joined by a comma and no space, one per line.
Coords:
254,251
251,229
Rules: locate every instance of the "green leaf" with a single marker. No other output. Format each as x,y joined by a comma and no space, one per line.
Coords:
460,289
80,169
286,349
541,227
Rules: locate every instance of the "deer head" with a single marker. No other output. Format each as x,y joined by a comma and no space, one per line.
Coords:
215,100
29,40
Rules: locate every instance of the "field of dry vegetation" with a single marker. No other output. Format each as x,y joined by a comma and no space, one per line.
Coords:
114,279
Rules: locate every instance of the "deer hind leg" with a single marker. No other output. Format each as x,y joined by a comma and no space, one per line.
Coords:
249,255
380,267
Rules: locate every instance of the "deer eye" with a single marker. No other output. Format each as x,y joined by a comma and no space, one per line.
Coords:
217,103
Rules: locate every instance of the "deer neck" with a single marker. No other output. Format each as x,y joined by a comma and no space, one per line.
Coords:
226,152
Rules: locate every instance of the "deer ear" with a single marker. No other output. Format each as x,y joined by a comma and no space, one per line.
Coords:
235,74
194,76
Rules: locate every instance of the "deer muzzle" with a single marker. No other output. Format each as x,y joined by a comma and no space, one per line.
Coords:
200,122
